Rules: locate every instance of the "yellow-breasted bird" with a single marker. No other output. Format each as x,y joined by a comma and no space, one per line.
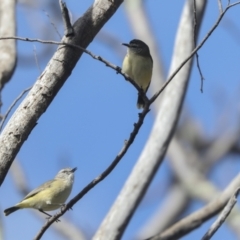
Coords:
138,65
50,195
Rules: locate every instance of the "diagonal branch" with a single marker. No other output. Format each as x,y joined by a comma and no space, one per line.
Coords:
116,221
96,57
193,52
66,229
50,82
98,179
12,106
222,217
197,218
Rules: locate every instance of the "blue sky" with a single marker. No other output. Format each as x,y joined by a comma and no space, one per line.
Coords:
92,115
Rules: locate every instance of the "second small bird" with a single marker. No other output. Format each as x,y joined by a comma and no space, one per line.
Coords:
138,65
49,196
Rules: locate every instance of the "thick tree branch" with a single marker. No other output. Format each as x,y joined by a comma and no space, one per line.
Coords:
197,218
121,212
8,55
50,82
165,216
99,58
153,153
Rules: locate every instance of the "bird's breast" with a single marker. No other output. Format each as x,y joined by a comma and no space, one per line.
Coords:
142,71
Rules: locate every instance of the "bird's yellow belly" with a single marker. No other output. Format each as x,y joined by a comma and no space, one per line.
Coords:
139,69
142,72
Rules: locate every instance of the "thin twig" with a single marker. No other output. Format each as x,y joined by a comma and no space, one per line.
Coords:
99,58
196,219
222,217
11,107
136,126
52,23
192,54
102,176
220,6
195,43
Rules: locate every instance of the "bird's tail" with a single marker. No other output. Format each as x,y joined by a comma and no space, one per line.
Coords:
10,210
140,102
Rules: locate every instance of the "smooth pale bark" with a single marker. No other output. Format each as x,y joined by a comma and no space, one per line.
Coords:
114,224
8,56
51,80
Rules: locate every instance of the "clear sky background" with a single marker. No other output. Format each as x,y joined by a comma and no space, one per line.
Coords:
92,115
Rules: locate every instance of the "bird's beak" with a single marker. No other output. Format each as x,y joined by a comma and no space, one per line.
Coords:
125,44
74,169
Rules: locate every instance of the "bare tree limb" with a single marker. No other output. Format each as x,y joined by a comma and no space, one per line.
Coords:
122,210
221,146
8,55
99,58
197,218
102,176
139,21
12,106
165,214
50,82
66,19
194,51
193,180
222,217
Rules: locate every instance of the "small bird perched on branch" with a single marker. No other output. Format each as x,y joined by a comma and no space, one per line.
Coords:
138,65
50,195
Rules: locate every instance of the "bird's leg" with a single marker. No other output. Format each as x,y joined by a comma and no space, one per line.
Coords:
63,205
40,210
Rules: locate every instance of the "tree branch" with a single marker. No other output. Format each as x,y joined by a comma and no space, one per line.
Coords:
197,218
98,179
114,224
222,217
122,210
99,58
66,229
12,106
50,82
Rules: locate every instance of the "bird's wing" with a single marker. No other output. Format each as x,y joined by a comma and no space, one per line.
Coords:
151,74
35,191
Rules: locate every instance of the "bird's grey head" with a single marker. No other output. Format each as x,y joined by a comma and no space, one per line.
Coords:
66,173
139,47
